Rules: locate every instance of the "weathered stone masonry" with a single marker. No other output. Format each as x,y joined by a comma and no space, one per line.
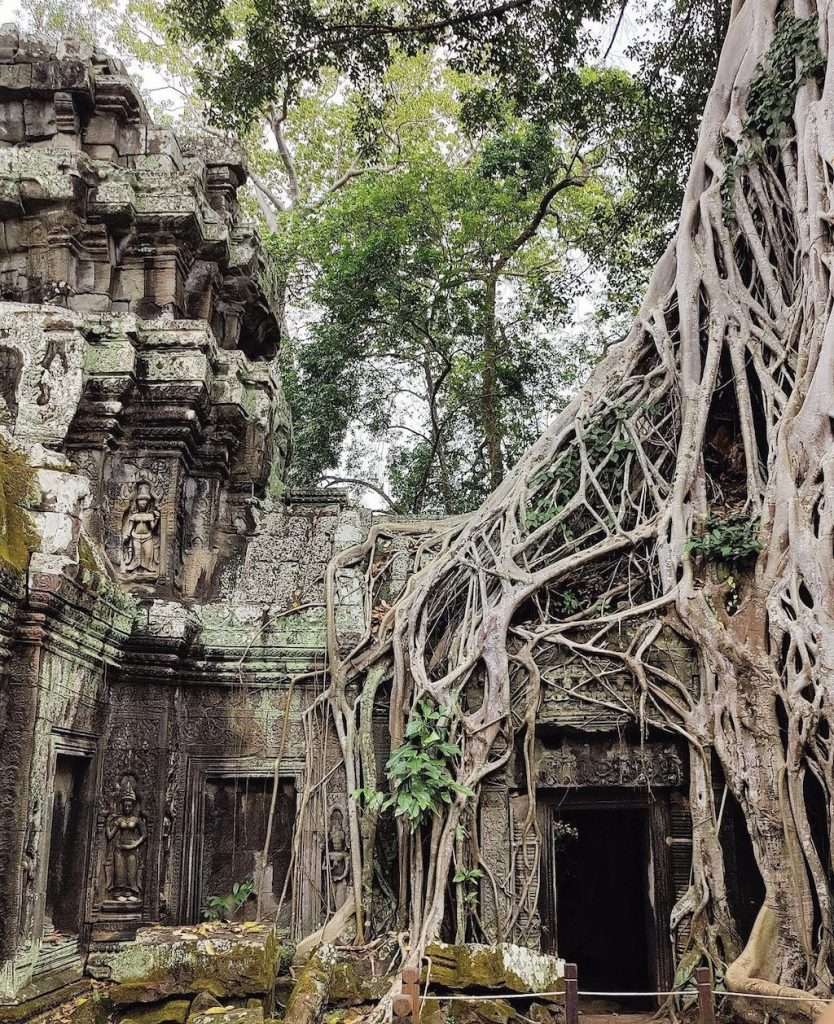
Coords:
147,646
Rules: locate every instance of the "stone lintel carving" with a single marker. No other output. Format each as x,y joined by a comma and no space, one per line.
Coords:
610,764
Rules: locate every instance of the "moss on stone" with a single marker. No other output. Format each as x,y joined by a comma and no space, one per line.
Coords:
352,982
171,1011
86,558
165,963
503,966
18,538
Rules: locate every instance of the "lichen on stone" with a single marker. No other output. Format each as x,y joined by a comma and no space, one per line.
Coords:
18,538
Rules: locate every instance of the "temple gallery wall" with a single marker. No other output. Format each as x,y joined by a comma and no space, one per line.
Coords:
162,599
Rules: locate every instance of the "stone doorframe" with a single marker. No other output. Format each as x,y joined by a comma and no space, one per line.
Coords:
655,804
199,770
84,747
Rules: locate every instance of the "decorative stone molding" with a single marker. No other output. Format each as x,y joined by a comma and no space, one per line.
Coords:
609,764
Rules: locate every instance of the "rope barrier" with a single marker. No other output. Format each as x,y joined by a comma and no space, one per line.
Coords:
719,994
407,1007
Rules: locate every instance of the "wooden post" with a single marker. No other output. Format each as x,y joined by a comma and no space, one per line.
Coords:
706,1007
402,1009
571,994
411,988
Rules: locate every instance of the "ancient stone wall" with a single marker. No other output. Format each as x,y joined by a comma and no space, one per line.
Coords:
162,636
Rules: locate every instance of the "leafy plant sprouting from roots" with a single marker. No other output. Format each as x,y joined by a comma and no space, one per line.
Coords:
226,908
792,57
420,771
729,540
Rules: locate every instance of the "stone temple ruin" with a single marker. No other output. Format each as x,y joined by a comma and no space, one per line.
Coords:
162,608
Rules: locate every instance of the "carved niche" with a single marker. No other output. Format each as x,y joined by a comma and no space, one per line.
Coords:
140,502
336,862
127,833
140,535
128,821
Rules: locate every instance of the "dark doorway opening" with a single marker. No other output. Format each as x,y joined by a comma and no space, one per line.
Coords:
235,822
602,900
67,847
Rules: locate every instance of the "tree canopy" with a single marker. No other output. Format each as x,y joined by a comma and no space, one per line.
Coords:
442,186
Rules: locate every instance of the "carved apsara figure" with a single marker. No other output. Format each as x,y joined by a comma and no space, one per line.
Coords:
126,832
338,861
28,877
140,533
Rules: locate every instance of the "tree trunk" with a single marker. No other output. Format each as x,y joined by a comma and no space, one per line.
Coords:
714,414
490,397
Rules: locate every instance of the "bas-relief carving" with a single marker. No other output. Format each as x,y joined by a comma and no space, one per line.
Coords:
575,764
336,862
126,834
140,506
29,874
140,534
44,357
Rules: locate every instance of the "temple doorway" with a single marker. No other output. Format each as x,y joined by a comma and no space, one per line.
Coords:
602,898
235,823
68,840
609,883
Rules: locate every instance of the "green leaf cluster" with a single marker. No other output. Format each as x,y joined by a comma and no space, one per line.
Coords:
729,540
792,57
469,878
421,770
225,908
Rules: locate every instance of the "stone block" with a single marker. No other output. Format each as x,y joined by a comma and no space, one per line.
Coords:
226,962
171,1011
89,303
61,76
502,966
16,77
39,118
102,152
12,124
228,1015
77,49
9,40
102,130
66,493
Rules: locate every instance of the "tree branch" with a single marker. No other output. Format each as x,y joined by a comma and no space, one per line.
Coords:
262,189
276,122
370,28
331,481
532,227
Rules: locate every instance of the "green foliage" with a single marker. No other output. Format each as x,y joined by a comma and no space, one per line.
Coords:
730,540
792,57
469,878
447,120
608,446
398,271
421,770
225,908
564,833
282,47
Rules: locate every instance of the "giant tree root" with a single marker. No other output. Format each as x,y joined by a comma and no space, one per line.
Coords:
713,415
749,974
